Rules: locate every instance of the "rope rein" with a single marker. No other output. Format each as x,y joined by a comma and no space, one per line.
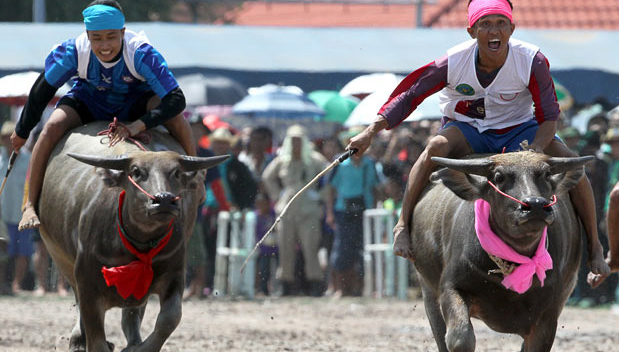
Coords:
143,137
554,197
138,139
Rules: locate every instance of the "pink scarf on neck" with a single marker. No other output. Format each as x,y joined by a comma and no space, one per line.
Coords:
521,279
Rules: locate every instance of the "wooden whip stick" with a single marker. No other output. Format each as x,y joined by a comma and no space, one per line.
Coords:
8,170
337,161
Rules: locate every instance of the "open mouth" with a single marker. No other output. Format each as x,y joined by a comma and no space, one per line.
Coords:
494,44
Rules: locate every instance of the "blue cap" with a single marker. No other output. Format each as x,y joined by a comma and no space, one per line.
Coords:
99,17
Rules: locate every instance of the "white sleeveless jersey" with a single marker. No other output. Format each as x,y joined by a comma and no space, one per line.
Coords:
507,101
132,41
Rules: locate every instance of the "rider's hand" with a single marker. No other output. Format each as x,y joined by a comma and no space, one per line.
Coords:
120,134
136,127
125,131
17,142
361,142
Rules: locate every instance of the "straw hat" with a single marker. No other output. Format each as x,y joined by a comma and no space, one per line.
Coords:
7,128
224,135
296,131
612,135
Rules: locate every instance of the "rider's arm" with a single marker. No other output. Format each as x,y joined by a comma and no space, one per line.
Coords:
40,95
546,107
413,89
152,66
171,105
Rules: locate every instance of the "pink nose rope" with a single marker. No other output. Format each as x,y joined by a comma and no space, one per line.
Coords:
521,279
554,197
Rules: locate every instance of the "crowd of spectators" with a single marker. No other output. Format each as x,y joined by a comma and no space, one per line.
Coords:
264,173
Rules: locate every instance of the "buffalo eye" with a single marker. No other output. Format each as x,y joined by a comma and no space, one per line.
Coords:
136,174
499,177
177,173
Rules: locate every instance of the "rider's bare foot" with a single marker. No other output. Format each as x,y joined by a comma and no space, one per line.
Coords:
401,242
29,218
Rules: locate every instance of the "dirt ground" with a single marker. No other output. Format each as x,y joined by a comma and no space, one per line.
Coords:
33,324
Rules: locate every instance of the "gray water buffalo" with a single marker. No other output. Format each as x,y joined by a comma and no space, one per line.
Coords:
95,222
458,277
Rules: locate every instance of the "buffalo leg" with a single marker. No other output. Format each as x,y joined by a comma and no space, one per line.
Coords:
169,317
131,322
93,316
77,342
460,336
433,311
542,335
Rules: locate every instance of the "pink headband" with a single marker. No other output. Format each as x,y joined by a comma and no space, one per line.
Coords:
480,8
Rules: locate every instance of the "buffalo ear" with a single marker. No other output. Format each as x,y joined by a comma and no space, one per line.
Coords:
565,181
111,178
466,186
567,172
192,179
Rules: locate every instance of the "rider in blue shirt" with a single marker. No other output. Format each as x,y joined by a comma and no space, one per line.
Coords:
116,73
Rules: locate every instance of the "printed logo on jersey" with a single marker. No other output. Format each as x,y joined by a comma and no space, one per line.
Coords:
105,79
128,79
465,89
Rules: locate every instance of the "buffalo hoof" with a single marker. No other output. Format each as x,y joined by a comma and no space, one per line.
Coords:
401,242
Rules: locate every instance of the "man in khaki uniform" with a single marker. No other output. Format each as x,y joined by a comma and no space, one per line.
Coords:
296,165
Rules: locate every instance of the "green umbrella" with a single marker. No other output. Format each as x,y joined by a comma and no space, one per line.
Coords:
336,106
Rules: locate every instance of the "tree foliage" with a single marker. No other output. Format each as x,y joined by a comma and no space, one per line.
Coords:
203,11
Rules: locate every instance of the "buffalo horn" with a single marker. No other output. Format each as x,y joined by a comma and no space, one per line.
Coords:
193,163
114,162
558,165
479,166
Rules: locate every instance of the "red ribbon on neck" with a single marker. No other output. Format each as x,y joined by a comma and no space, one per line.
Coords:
134,278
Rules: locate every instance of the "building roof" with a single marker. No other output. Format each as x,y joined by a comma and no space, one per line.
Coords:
538,14
332,15
590,14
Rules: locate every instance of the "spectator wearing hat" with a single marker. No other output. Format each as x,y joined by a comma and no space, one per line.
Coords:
21,248
571,136
256,154
295,166
200,267
239,187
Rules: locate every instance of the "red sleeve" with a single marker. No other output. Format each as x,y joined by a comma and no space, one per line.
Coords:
220,194
542,88
413,89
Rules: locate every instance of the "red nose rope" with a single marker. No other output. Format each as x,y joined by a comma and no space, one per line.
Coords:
140,137
136,277
554,197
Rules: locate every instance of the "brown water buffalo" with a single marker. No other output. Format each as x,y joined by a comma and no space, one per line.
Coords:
459,279
79,212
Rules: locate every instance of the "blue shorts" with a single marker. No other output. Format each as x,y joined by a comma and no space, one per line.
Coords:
493,142
91,110
20,243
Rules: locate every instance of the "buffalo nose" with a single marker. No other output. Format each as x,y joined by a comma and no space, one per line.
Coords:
534,203
164,198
